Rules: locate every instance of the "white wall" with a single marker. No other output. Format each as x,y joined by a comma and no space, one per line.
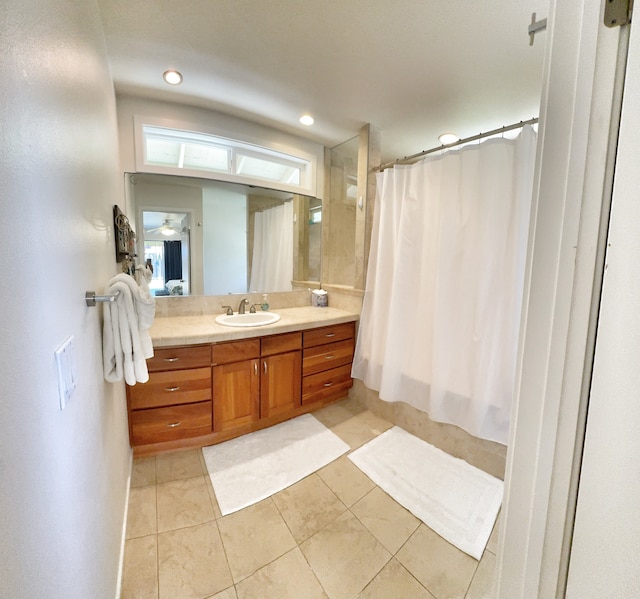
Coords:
63,474
225,241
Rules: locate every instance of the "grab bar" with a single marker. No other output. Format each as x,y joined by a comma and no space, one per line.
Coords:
91,298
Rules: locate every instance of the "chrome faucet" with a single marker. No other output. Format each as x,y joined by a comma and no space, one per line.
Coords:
243,303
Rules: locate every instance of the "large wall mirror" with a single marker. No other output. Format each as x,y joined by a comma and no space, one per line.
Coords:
205,237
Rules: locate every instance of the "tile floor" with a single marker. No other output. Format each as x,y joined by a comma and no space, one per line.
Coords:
334,535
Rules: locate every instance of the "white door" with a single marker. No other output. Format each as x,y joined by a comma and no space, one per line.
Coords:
605,553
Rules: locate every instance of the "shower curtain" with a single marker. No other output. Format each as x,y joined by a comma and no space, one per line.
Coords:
441,311
272,259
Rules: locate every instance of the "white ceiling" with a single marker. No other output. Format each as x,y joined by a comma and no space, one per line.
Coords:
411,68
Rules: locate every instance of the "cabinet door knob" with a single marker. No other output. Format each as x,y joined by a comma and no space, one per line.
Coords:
171,388
171,359
174,424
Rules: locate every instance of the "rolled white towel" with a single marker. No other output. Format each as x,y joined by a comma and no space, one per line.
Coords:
126,340
144,304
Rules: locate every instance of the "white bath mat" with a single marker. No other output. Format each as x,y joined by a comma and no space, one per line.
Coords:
456,500
253,467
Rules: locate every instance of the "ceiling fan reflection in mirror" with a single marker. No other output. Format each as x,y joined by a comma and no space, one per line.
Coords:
167,228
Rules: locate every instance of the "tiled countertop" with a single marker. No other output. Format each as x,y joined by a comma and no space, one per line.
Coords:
191,330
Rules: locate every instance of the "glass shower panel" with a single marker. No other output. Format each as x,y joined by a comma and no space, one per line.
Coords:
341,255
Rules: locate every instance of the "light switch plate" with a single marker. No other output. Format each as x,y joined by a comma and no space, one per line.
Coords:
66,363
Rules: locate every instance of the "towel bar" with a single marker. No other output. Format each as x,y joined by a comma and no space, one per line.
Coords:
91,298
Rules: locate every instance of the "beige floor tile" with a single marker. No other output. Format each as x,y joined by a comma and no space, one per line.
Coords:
184,502
254,537
181,464
141,514
354,432
192,563
308,506
212,495
332,415
140,568
492,543
387,520
346,480
352,404
483,585
444,570
375,422
143,472
345,556
229,593
288,577
395,582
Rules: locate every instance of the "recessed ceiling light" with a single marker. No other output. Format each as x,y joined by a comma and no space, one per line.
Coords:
448,138
172,77
306,119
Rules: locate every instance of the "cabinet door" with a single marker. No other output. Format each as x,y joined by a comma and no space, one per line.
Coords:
236,394
281,383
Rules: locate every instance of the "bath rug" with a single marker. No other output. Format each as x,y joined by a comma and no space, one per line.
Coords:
456,500
253,467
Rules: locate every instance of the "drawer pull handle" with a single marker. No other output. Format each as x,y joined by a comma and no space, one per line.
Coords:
265,367
329,357
171,388
328,384
171,359
174,424
255,369
330,335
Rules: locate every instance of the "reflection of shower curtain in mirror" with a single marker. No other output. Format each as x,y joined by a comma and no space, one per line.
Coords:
441,312
272,260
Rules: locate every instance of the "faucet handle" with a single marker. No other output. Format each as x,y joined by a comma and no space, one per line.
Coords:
229,310
252,310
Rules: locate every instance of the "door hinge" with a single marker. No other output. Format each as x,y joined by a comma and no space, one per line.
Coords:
617,12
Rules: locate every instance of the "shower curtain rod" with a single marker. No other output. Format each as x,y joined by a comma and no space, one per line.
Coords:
414,157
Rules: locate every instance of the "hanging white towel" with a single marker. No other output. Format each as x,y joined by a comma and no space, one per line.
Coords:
126,340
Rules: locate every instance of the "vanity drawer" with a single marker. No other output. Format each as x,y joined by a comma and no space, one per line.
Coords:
329,334
177,358
325,357
235,351
168,424
328,384
171,388
278,344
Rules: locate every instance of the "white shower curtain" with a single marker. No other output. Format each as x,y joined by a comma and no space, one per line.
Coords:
272,260
441,312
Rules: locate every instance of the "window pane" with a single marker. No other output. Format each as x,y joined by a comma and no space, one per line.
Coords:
162,151
262,168
207,157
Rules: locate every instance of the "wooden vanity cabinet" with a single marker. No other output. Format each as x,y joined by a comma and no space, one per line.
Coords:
254,379
326,362
280,374
203,394
236,384
176,401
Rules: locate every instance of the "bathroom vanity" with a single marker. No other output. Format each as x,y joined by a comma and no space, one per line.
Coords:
209,383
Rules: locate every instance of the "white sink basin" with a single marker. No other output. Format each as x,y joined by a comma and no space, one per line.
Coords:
248,319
